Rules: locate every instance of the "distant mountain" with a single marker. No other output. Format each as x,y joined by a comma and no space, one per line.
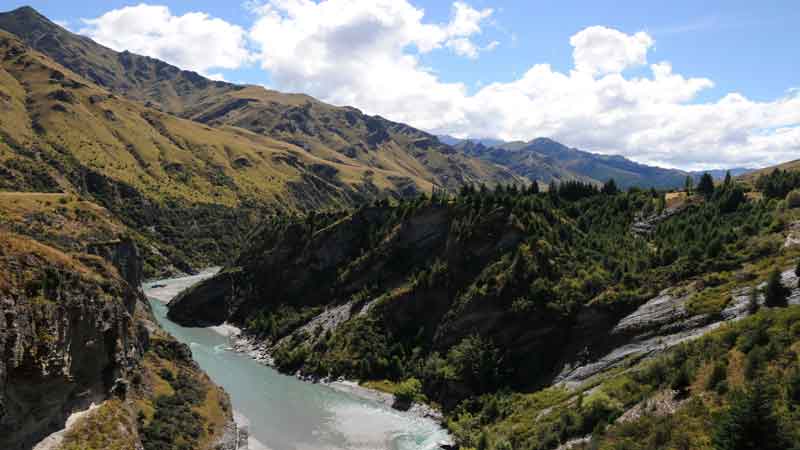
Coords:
450,140
719,174
546,160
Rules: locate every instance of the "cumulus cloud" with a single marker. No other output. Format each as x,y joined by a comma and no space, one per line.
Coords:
365,53
358,53
193,41
599,50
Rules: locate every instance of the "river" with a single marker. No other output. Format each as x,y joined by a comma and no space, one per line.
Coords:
283,412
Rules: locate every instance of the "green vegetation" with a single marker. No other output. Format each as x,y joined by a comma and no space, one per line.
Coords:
775,293
736,389
409,391
480,295
793,199
531,259
778,183
175,425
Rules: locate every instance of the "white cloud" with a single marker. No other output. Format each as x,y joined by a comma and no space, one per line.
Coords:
365,53
600,50
357,53
193,41
463,47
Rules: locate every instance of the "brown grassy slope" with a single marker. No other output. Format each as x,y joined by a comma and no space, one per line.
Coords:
53,115
753,176
337,135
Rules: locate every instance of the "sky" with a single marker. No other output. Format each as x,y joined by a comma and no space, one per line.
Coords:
685,84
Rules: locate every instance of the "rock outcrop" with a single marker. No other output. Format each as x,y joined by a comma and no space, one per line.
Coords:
68,338
654,327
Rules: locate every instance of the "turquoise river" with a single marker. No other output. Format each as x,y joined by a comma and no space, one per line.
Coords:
284,413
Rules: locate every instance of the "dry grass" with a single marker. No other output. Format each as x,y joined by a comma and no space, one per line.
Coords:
109,427
676,199
165,156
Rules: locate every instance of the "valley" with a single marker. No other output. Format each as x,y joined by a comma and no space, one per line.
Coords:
194,264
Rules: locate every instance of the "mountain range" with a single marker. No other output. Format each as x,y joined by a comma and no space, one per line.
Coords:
161,147
546,160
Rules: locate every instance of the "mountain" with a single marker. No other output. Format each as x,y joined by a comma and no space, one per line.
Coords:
546,160
538,319
753,175
188,164
340,135
719,174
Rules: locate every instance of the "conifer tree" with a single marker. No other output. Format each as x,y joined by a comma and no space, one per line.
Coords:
610,187
775,294
706,185
688,184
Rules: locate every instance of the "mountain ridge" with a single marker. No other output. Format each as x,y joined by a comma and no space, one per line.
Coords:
157,170
329,132
546,160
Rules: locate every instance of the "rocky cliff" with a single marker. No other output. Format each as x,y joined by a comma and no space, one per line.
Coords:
68,335
76,331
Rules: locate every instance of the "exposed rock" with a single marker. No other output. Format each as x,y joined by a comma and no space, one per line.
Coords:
654,327
664,403
793,238
67,339
124,255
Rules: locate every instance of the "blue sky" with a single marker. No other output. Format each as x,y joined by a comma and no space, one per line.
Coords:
745,46
727,98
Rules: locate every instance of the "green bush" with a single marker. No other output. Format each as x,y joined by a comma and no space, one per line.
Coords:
408,391
793,199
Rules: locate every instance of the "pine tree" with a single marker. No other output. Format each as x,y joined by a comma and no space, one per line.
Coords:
752,303
775,294
750,422
610,188
688,184
706,185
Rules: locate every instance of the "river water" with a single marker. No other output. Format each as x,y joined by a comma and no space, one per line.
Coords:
283,412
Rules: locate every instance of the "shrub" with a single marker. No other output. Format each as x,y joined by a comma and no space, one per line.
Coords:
408,391
793,199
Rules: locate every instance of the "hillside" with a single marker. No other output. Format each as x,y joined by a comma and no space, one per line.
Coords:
78,331
188,191
547,160
499,301
341,136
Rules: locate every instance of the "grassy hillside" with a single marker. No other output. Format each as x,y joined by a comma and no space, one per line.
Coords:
189,164
342,138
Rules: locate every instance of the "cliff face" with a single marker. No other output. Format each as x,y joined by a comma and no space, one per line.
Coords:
68,337
77,331
532,288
